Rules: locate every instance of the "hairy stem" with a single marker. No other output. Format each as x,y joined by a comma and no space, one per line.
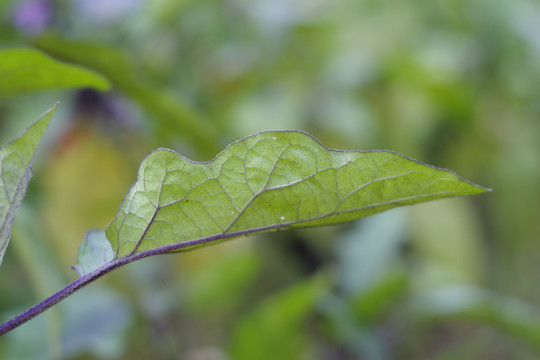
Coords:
105,269
59,296
71,288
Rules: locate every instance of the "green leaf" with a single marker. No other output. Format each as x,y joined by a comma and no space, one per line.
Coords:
24,71
268,181
15,160
95,251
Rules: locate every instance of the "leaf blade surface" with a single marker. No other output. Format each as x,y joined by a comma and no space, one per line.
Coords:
268,181
15,171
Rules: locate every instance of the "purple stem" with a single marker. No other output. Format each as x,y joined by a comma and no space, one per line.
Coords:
105,269
59,296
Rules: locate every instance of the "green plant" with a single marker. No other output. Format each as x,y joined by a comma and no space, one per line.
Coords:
269,181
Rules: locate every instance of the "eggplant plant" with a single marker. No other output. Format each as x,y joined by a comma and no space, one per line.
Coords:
269,181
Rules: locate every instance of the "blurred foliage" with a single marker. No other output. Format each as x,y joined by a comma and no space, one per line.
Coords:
452,83
26,70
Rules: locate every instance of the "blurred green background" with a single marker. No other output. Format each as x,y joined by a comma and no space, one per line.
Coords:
452,83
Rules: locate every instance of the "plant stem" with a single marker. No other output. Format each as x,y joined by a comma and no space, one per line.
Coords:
59,296
105,269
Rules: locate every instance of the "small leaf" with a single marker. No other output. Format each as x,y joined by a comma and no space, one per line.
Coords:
15,160
95,251
24,71
268,181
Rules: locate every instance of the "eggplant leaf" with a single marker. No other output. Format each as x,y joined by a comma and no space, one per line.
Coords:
15,160
268,181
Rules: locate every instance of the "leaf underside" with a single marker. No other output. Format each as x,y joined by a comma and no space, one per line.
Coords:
15,171
24,71
268,181
95,251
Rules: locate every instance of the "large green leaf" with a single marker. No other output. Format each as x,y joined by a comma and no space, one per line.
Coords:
24,71
15,171
268,181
